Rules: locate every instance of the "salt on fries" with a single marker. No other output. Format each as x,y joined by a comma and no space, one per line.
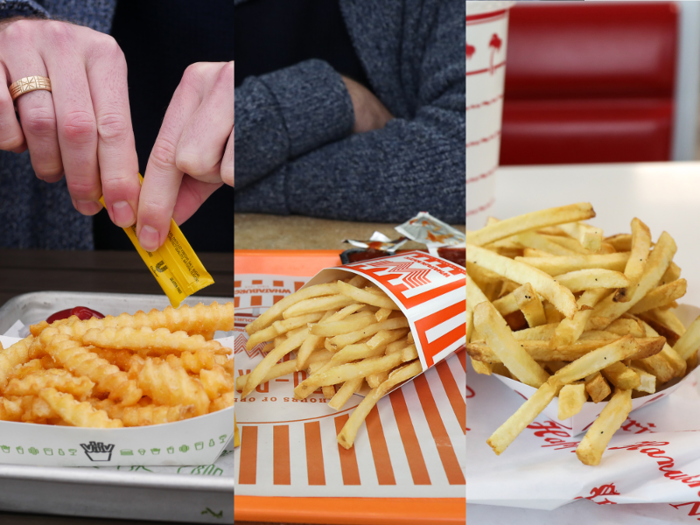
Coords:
124,371
554,304
344,334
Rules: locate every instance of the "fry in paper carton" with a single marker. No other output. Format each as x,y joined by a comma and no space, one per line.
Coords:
360,334
610,335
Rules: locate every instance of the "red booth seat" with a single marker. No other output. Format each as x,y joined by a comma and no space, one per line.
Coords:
589,83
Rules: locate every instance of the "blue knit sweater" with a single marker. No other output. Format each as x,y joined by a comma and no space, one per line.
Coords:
295,151
33,213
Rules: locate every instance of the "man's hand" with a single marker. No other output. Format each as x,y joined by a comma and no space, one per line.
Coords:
193,155
83,127
370,113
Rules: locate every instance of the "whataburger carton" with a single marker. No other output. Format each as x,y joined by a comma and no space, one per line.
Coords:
590,411
196,441
430,292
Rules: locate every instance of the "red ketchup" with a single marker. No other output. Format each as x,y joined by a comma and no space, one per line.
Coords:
82,312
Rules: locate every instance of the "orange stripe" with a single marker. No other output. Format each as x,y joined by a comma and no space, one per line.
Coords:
348,461
280,455
462,354
410,302
302,263
452,390
437,429
380,452
249,455
314,453
255,300
236,301
416,462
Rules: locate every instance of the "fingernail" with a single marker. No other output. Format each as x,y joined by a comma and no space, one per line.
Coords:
123,214
149,239
88,207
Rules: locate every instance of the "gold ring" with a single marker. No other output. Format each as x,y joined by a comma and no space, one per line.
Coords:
27,84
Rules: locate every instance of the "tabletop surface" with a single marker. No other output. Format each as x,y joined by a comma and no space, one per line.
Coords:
666,196
294,232
24,271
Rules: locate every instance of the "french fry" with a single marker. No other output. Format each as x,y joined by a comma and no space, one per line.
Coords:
530,221
588,236
571,400
647,380
542,283
530,305
363,296
621,376
597,387
641,243
347,435
581,280
76,413
501,439
566,264
541,350
608,310
689,342
345,392
501,341
661,296
590,450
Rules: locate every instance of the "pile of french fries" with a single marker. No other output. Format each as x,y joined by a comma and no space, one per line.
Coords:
554,304
145,369
344,334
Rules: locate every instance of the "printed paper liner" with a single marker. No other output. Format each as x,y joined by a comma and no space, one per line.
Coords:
196,441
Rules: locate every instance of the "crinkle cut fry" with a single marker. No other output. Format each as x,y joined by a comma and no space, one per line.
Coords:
172,386
107,377
146,338
15,355
137,416
197,319
61,380
76,413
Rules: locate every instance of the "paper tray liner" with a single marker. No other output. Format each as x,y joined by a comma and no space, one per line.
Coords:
261,501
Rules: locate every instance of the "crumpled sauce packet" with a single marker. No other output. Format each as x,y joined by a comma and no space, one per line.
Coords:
379,241
175,266
432,232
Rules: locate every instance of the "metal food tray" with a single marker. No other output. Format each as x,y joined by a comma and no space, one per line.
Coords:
124,494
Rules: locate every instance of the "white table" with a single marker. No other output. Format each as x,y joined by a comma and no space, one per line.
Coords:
666,196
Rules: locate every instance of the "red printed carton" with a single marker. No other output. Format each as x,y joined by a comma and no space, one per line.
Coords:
430,292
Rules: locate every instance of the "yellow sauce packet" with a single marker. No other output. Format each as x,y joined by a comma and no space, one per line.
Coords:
175,266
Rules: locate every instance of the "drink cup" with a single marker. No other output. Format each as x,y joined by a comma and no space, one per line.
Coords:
487,38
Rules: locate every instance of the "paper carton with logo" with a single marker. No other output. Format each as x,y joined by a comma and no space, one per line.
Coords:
196,441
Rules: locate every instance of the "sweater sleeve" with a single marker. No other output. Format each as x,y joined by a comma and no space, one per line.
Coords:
413,164
10,8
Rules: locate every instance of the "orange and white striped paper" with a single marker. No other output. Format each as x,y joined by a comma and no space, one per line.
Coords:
411,445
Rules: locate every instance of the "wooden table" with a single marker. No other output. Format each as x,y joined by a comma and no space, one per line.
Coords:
23,271
254,231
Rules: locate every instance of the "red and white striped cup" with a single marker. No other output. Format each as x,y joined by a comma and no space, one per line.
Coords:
487,37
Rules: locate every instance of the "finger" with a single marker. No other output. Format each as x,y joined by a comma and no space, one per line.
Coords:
192,195
36,109
77,129
162,178
11,136
204,138
116,146
227,163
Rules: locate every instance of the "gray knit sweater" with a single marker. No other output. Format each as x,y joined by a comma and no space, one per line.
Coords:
295,151
35,214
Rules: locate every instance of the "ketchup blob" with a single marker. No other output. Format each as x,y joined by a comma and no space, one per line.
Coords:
83,313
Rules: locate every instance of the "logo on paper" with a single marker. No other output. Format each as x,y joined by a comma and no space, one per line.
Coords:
98,451
601,492
470,51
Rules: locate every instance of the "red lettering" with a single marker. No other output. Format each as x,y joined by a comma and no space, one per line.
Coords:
693,510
